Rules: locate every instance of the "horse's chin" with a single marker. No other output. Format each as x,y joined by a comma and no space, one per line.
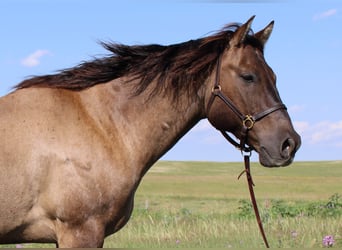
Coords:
270,161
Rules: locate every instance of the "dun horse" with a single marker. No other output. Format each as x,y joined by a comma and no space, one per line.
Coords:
75,145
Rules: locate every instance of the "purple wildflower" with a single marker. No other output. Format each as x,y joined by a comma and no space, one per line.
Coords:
328,241
294,234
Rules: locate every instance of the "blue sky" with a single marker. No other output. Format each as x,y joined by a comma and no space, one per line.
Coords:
305,50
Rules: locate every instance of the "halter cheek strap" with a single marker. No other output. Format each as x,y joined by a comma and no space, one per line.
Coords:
247,120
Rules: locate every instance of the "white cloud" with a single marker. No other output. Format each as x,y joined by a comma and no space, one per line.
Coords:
203,125
296,109
325,132
301,126
33,59
206,133
319,133
325,14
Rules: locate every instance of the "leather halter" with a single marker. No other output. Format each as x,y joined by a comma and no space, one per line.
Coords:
247,124
246,120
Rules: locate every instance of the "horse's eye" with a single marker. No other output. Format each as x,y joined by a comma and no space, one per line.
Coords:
249,78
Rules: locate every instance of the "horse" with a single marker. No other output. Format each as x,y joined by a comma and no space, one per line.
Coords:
75,144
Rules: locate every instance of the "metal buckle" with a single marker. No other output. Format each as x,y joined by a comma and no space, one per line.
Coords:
216,89
246,152
248,122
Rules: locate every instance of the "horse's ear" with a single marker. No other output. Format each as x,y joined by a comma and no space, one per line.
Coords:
264,34
241,33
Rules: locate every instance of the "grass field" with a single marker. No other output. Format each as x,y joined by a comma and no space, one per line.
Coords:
202,204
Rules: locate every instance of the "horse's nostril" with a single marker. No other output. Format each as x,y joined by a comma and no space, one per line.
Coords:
287,147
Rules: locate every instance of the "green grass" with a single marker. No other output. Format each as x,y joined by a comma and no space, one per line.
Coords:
198,204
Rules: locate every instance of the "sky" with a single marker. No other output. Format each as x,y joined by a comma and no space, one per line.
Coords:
39,37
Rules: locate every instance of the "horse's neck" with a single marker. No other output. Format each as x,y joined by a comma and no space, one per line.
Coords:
145,127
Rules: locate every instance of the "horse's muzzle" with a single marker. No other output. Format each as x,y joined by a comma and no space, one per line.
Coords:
285,154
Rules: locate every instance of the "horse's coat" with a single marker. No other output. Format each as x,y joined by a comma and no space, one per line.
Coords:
75,145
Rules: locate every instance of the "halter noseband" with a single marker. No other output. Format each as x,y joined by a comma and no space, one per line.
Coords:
246,120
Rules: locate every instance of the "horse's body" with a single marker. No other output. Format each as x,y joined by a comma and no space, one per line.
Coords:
74,146
78,162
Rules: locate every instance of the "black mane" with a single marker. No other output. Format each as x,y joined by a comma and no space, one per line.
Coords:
176,67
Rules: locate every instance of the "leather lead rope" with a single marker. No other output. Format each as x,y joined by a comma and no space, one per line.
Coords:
247,124
252,195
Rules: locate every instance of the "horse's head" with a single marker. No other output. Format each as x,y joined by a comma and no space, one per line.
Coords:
245,101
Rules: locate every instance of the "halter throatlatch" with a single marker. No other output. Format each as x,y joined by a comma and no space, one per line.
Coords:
247,122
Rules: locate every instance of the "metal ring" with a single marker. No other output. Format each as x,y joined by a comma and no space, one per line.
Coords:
248,122
246,152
